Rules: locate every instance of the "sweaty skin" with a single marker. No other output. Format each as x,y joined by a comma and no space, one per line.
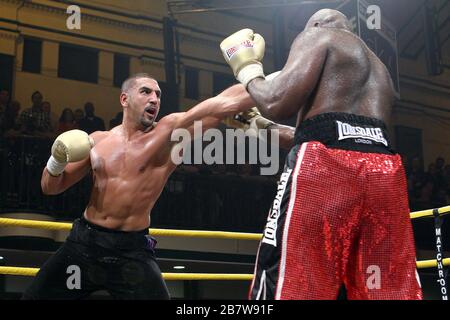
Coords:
329,69
132,162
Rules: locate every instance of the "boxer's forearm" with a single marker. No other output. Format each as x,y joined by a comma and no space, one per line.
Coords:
51,185
231,101
213,110
269,98
286,135
73,173
234,100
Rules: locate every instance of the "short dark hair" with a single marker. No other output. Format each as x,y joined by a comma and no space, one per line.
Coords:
61,118
129,83
35,93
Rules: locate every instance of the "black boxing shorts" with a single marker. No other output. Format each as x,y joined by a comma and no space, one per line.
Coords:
95,258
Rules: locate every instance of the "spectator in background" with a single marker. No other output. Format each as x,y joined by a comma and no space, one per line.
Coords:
47,107
79,115
428,185
34,120
67,121
117,120
439,193
416,181
91,123
447,171
11,115
4,97
405,161
447,178
440,163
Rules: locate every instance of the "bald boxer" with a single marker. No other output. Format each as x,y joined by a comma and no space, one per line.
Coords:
341,212
109,246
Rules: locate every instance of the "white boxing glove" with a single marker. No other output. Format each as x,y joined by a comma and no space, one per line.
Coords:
244,51
70,146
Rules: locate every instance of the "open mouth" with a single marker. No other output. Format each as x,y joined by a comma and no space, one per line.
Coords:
151,111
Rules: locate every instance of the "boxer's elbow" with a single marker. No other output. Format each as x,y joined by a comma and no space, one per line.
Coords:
47,189
52,191
270,104
281,107
272,111
44,183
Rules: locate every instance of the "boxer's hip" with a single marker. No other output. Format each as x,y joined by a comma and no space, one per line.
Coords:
87,233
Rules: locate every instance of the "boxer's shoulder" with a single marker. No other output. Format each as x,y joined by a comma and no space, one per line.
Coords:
98,136
170,121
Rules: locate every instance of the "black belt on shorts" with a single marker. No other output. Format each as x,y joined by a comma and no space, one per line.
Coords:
345,131
88,233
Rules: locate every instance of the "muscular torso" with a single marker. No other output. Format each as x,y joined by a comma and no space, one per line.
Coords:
353,80
128,177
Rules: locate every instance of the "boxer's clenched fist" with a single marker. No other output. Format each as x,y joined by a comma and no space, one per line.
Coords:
70,146
244,51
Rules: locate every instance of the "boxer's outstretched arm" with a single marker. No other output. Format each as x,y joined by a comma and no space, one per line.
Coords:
211,111
283,96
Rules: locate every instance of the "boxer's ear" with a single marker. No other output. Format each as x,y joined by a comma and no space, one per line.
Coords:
124,99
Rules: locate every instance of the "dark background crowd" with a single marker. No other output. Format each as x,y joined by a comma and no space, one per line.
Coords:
211,197
36,120
428,188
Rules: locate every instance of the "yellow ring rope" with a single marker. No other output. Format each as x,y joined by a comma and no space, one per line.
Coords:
431,263
8,222
21,271
185,233
429,212
177,233
31,272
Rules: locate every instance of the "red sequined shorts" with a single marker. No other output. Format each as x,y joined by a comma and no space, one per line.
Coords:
340,217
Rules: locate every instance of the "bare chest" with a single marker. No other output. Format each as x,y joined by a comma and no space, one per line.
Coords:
114,158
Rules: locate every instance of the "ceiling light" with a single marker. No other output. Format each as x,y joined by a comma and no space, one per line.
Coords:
179,267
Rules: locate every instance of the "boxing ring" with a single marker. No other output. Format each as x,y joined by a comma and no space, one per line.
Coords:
437,213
